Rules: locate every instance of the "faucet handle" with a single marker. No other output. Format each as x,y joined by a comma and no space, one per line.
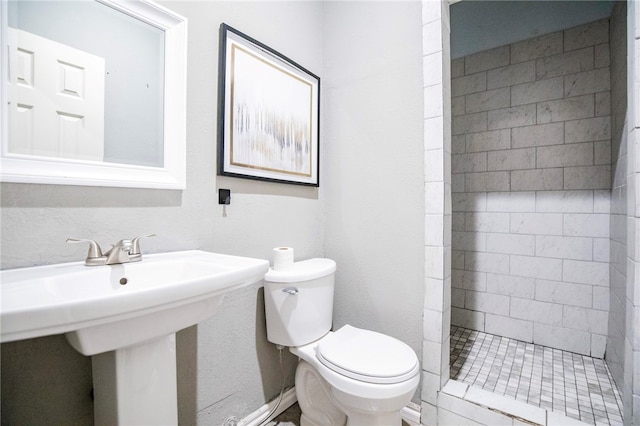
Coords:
94,247
135,249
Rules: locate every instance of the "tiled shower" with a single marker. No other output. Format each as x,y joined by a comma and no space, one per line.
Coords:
539,191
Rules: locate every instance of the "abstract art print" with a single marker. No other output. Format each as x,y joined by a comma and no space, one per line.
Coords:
268,113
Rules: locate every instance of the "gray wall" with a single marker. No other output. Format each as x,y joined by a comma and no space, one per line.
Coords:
374,190
225,365
530,182
368,213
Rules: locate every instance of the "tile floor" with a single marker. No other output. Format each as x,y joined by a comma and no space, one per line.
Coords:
577,386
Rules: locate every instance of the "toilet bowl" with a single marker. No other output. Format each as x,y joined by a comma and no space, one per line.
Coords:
351,375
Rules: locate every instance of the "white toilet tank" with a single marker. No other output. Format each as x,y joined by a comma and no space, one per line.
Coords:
299,302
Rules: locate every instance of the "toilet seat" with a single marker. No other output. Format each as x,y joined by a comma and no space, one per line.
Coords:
367,356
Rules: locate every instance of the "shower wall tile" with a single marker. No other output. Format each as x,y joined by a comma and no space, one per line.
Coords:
467,319
508,327
579,154
537,179
487,302
602,153
595,273
458,144
532,170
565,63
536,311
586,35
487,262
487,222
583,83
488,141
536,267
511,244
469,123
592,177
537,91
602,56
486,60
469,241
566,109
463,163
507,118
458,106
590,320
565,201
603,104
511,75
538,47
432,69
511,201
457,68
509,285
536,223
469,280
469,84
601,249
512,159
469,202
457,182
578,248
486,101
564,293
537,135
589,129
586,225
488,181
562,338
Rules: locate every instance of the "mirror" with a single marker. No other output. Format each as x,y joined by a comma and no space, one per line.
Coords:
94,94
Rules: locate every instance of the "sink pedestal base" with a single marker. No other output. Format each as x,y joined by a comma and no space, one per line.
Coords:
136,385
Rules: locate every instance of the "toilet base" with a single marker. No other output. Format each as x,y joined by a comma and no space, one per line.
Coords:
321,405
314,398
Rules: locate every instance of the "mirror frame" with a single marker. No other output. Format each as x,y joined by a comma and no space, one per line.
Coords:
58,171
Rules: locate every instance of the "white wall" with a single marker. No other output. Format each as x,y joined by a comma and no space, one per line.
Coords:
225,365
374,178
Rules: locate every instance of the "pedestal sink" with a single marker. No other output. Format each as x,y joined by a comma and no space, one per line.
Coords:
124,316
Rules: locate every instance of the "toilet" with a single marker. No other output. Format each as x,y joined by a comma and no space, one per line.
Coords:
350,376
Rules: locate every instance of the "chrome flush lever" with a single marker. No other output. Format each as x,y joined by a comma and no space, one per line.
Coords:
290,290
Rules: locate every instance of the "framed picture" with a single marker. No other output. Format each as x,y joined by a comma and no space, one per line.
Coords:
269,110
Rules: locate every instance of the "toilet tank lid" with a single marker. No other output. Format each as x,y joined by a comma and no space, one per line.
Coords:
302,271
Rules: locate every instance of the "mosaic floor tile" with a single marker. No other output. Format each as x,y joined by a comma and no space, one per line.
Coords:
574,385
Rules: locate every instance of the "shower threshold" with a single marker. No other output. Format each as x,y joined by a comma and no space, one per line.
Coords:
572,385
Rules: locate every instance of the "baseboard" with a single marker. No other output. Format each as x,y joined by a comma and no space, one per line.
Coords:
410,413
260,415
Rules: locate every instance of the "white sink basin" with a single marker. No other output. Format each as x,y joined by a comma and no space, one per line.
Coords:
81,300
125,317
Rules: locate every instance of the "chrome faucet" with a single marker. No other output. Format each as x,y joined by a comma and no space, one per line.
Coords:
124,251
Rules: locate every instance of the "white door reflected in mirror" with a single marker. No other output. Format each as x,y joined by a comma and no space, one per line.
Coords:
56,98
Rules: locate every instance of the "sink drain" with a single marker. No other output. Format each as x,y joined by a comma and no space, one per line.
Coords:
123,281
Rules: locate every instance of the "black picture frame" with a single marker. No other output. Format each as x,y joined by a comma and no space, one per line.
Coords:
268,113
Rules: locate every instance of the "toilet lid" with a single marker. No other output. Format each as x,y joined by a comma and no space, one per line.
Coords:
367,356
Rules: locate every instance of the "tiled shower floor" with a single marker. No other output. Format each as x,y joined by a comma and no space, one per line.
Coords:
577,386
